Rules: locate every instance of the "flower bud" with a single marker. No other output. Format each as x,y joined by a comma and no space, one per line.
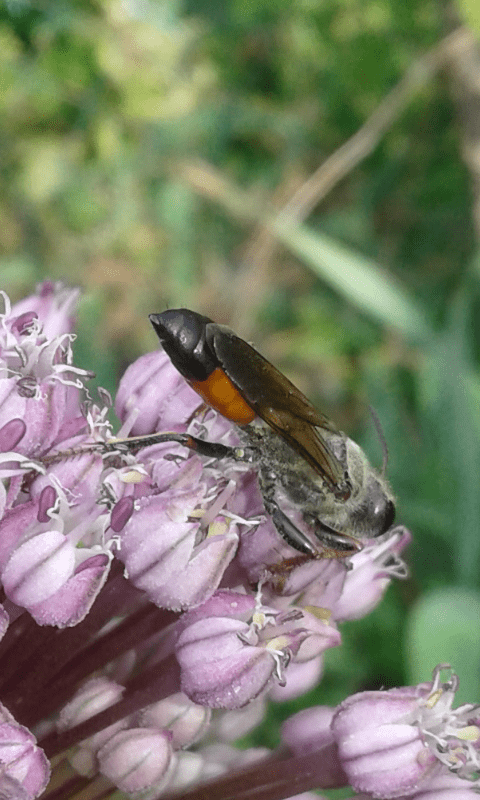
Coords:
220,668
447,786
309,730
372,570
38,567
71,603
396,742
230,648
93,697
186,721
53,304
162,555
23,764
380,752
136,759
231,725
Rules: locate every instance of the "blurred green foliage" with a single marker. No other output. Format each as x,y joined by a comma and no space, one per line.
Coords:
147,149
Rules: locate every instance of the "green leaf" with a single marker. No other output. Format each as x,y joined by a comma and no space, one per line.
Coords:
357,278
470,11
443,628
453,418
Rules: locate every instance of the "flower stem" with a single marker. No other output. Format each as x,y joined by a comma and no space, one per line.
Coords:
275,779
137,627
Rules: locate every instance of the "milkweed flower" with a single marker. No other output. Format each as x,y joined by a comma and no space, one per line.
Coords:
147,606
230,649
406,742
25,769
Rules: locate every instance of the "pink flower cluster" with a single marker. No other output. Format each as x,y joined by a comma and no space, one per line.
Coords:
144,588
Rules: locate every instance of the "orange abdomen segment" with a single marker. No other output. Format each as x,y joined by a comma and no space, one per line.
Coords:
219,392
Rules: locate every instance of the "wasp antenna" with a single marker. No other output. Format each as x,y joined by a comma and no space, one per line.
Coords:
381,436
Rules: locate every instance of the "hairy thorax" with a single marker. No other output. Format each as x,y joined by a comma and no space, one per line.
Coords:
287,479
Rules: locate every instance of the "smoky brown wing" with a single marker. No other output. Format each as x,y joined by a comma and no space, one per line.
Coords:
277,401
306,440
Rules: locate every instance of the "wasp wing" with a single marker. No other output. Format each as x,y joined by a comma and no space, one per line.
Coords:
278,402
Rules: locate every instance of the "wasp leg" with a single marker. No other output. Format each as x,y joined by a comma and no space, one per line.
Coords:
201,446
204,448
288,531
285,527
340,543
333,544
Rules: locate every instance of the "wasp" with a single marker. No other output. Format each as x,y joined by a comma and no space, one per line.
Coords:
318,486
